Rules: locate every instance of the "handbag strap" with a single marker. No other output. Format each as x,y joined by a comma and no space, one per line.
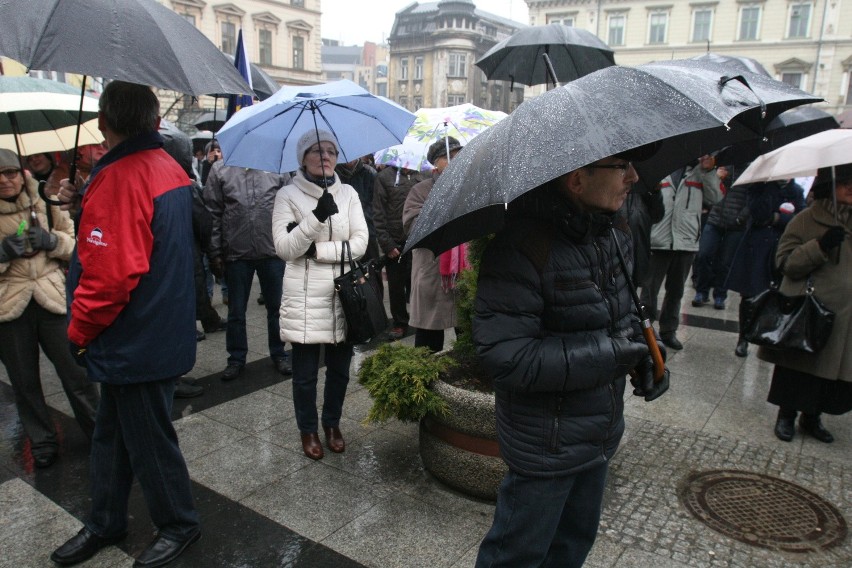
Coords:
344,251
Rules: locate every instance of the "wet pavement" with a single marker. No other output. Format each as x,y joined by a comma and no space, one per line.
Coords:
263,503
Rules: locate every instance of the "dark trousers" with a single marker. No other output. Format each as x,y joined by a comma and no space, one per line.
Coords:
544,521
19,351
134,437
305,372
204,310
399,288
673,267
716,250
431,338
239,274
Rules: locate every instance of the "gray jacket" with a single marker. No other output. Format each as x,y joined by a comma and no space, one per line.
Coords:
241,202
680,227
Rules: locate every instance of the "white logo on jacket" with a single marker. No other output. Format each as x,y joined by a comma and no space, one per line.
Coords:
95,238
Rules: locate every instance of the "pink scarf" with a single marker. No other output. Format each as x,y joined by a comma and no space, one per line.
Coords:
452,262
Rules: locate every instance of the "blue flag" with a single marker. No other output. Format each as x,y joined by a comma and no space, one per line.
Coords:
241,62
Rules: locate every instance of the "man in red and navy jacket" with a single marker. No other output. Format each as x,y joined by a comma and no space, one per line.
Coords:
131,313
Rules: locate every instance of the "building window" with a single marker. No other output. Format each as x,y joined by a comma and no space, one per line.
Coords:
403,101
657,24
701,20
403,68
299,3
189,18
229,37
800,20
453,100
298,53
749,22
382,89
458,65
794,79
418,102
418,68
564,19
616,29
849,89
264,43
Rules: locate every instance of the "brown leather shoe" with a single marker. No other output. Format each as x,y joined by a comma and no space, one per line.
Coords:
334,439
311,446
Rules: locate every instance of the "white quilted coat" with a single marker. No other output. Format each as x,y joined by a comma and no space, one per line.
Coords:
310,309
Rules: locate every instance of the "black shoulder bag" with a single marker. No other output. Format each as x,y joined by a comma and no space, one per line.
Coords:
358,290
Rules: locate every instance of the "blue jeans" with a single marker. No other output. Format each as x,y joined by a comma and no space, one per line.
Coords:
305,371
239,274
713,262
544,521
134,437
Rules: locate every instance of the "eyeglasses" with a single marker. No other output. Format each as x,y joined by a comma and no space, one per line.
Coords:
623,167
330,152
10,174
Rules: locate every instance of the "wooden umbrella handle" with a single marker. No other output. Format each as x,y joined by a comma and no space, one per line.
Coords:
654,348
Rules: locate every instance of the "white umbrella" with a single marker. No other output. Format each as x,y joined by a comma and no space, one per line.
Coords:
801,158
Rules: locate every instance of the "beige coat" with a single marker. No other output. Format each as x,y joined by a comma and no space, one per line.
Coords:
431,306
799,255
310,309
40,277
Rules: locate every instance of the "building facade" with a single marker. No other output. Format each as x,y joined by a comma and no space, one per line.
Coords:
433,47
805,43
282,37
365,65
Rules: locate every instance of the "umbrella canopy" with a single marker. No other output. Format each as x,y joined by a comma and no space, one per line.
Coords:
42,115
572,51
736,63
683,115
139,41
211,121
801,158
462,122
785,128
262,84
264,136
200,140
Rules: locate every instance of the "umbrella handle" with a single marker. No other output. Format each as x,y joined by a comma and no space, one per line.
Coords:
654,348
41,193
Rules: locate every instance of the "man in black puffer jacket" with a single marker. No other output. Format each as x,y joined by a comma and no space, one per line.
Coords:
556,327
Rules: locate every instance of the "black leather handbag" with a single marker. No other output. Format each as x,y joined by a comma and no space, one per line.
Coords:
772,319
358,290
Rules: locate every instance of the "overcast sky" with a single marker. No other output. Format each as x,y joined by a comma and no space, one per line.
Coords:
355,21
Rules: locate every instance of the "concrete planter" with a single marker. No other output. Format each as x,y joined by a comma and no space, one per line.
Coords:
460,448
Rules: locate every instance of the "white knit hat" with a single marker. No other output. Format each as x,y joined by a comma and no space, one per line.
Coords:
310,138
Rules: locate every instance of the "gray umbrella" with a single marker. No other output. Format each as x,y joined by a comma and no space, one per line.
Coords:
682,115
736,63
211,121
139,41
572,51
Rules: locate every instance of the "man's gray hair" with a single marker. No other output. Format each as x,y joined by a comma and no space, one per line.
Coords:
129,109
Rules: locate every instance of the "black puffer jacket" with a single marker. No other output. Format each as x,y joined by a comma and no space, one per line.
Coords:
543,327
389,193
731,214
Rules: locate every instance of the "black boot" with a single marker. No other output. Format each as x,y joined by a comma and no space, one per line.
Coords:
811,424
742,348
785,425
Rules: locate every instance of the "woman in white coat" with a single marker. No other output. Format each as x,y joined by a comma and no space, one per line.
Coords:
312,218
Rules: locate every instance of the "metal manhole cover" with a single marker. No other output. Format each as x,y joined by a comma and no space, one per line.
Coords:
763,511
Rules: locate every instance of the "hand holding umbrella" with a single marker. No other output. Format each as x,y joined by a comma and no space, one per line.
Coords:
326,207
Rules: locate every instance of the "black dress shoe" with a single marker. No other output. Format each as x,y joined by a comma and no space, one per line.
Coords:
185,389
785,427
813,425
742,348
82,547
670,340
283,366
44,460
232,371
163,550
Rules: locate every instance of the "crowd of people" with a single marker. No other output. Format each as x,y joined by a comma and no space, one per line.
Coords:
554,323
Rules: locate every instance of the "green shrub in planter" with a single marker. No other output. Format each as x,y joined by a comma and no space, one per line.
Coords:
398,376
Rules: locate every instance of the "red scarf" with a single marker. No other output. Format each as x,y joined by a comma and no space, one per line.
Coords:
452,262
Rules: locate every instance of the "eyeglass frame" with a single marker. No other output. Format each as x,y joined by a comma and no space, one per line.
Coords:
10,176
623,167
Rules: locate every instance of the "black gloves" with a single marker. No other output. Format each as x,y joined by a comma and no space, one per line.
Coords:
832,238
12,248
79,353
627,355
642,380
312,250
41,239
217,267
292,225
326,207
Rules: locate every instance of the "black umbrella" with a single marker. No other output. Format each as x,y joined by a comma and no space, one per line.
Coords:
787,127
573,53
261,83
200,139
211,121
684,114
736,63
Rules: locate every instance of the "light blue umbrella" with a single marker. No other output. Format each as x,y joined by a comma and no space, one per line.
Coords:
264,136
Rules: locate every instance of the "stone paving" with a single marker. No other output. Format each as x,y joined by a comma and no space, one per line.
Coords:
375,506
